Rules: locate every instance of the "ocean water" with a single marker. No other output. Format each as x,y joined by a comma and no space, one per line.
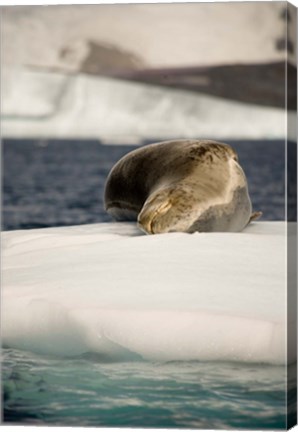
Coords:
86,392
53,183
58,183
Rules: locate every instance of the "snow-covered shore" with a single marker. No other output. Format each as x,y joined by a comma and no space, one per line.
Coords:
53,105
47,57
111,290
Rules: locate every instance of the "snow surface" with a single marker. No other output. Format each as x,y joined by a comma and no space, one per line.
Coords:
109,289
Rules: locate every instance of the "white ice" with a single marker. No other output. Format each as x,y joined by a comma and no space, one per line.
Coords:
111,290
53,105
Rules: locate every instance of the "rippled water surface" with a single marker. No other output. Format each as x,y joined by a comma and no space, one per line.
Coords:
55,183
85,392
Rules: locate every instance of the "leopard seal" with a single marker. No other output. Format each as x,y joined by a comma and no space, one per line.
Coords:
180,185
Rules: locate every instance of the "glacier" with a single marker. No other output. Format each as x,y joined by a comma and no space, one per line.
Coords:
47,104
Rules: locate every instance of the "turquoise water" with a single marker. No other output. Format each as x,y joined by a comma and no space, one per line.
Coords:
85,392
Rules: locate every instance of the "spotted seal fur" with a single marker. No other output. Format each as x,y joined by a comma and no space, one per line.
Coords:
181,185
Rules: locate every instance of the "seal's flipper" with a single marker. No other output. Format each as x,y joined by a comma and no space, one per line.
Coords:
150,218
255,216
166,210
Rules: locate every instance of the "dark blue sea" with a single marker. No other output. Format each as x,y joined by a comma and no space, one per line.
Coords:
58,183
55,183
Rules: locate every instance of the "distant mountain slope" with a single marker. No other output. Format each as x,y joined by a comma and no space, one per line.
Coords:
157,35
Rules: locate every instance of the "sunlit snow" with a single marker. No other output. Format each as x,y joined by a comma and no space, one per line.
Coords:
111,290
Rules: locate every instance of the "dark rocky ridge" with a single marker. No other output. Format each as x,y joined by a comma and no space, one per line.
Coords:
259,83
